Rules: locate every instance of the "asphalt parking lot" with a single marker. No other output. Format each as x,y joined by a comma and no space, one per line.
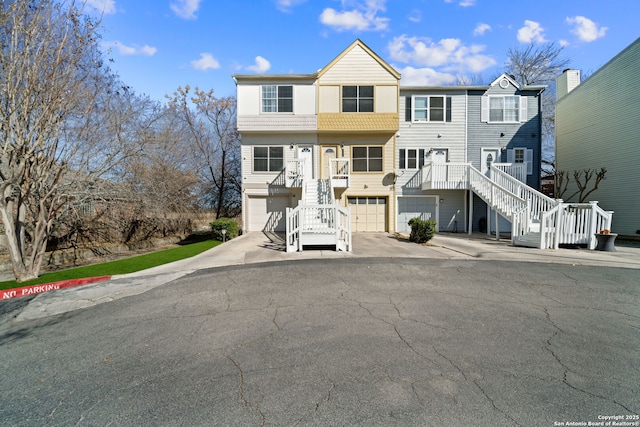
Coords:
452,336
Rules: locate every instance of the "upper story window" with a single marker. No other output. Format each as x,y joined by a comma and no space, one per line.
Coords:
357,99
504,108
367,159
268,159
423,108
277,99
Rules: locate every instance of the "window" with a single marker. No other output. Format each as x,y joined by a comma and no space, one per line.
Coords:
367,159
357,99
268,159
504,108
277,99
429,108
521,155
411,158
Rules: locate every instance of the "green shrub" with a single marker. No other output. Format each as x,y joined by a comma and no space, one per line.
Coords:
422,230
227,224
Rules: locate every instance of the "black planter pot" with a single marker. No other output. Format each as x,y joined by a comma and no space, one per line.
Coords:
606,242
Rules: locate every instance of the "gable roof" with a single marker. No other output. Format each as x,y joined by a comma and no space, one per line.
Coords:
366,48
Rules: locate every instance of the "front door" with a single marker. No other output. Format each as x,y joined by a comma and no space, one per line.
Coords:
489,156
439,156
328,153
306,153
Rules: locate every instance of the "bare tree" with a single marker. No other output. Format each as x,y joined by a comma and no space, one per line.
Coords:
582,180
216,145
50,86
163,175
540,64
536,63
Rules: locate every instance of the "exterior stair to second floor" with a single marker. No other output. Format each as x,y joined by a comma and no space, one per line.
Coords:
536,219
318,219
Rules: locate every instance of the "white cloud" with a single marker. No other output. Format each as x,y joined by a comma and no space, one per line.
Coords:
463,3
531,32
186,9
287,5
125,50
363,16
206,62
481,28
563,43
261,65
416,16
450,54
425,77
586,29
108,7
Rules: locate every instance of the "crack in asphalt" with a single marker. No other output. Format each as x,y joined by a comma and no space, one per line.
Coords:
567,370
254,405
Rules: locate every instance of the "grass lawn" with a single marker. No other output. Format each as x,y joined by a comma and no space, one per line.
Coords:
121,266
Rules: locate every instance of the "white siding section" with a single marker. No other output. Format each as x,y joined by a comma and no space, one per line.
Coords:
265,179
357,67
250,117
597,126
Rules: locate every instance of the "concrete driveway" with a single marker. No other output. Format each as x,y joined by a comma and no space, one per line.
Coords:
452,337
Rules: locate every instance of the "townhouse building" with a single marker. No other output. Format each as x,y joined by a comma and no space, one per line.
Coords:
348,149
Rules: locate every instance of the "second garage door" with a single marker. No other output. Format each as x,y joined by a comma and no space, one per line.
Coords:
411,207
368,213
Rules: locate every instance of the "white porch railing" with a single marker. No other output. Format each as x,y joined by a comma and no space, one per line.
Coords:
445,176
320,224
339,172
516,170
574,224
538,202
294,173
536,219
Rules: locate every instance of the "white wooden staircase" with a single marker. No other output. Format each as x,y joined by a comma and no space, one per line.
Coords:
536,219
318,219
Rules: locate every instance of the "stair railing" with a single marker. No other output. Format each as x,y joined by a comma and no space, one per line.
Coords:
293,240
539,202
499,198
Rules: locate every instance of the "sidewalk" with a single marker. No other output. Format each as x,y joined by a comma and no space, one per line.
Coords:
254,248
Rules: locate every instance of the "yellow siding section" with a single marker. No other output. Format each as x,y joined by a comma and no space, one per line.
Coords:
357,67
358,122
364,184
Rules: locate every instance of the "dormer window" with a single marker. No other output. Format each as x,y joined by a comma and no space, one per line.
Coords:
357,99
277,99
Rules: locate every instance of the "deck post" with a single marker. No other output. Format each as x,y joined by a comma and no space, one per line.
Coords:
470,211
497,226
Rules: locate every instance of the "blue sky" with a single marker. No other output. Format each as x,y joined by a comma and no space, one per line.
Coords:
158,45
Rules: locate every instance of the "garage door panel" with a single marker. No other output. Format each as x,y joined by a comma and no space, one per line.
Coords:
267,213
412,207
368,213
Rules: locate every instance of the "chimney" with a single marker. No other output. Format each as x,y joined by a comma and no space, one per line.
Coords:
566,82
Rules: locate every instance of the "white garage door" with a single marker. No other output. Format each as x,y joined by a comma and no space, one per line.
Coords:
411,207
267,213
368,213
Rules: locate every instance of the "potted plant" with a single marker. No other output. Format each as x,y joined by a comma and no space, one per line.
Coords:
606,241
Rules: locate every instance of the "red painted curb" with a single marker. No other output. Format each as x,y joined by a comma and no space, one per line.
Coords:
45,287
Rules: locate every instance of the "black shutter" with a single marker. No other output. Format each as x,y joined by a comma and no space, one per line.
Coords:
407,109
448,114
